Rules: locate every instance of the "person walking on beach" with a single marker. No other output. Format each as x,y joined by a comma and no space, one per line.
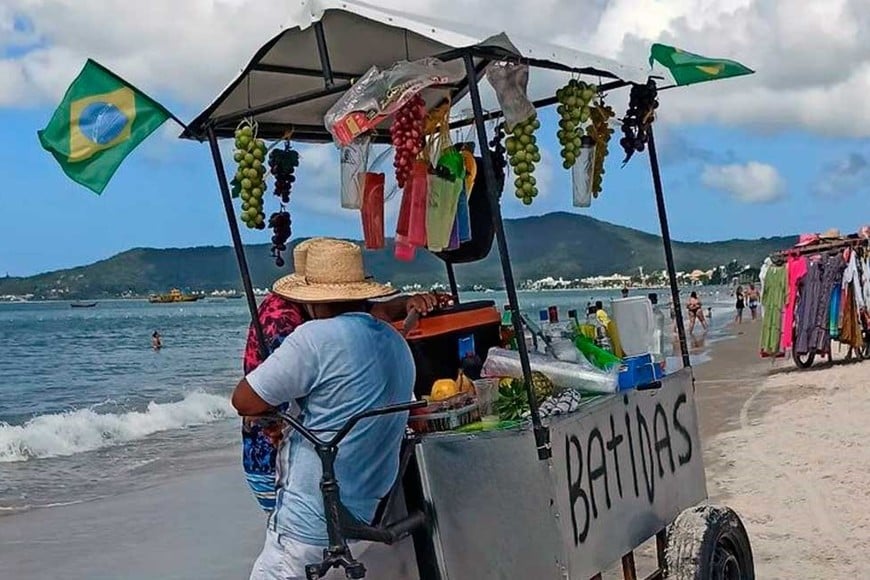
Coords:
696,312
340,363
279,317
739,305
156,342
753,297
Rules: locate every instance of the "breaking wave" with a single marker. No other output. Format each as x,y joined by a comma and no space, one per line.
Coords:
63,434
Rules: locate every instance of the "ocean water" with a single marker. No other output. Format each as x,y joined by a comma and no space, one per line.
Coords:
88,409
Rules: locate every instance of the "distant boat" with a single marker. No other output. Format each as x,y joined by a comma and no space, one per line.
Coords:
83,304
175,295
235,296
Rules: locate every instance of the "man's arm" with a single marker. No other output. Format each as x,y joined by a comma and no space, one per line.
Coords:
287,375
398,308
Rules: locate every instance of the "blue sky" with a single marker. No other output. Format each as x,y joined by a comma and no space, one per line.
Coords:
725,176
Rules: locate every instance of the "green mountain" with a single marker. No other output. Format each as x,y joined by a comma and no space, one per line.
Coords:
556,244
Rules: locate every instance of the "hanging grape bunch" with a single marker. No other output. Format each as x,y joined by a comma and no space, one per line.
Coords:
601,133
406,134
497,152
642,104
248,182
282,166
523,153
573,109
280,224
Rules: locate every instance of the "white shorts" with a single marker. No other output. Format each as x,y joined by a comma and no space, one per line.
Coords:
283,558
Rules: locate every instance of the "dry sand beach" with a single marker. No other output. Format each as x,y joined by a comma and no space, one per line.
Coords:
784,448
788,452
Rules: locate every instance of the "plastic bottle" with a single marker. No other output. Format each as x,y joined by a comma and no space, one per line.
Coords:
657,348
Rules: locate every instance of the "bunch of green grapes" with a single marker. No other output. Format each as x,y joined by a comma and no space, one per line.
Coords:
523,153
573,109
601,133
249,182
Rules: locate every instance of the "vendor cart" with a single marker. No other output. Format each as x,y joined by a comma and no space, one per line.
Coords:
567,497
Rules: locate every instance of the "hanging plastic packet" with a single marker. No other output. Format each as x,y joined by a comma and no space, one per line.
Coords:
403,250
453,244
581,173
444,188
418,188
511,82
373,211
463,215
354,162
470,171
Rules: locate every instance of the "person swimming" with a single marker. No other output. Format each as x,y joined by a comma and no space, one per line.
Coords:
156,342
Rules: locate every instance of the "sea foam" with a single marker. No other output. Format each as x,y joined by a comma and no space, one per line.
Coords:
63,434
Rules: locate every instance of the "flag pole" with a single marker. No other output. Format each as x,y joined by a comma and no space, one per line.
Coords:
237,241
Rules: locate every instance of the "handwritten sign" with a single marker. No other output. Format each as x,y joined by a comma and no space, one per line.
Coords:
625,470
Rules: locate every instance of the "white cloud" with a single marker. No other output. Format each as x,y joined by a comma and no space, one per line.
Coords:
844,177
753,182
812,56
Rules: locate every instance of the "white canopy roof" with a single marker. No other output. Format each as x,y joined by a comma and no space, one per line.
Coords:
287,70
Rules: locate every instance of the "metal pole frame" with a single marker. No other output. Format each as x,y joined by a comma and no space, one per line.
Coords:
237,241
669,252
542,434
451,279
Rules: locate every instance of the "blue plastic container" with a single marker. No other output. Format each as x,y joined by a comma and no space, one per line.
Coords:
638,371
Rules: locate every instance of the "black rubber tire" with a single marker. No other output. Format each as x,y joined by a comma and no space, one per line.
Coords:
709,542
804,361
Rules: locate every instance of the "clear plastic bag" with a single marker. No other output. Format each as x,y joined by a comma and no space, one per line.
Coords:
441,212
418,188
354,161
379,94
580,377
511,83
581,173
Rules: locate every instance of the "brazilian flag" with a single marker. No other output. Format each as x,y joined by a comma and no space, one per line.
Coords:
688,68
100,121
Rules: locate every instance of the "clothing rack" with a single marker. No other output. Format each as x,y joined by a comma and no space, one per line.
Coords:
822,247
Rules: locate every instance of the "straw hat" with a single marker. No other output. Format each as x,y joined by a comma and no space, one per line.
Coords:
831,234
329,270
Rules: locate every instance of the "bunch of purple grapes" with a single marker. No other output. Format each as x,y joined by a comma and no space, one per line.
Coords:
642,104
282,166
280,224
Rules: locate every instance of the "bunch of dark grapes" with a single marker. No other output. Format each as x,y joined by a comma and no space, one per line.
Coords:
280,224
573,109
282,166
638,119
497,154
406,134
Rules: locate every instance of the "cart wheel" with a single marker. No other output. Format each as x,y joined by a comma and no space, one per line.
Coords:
709,542
804,361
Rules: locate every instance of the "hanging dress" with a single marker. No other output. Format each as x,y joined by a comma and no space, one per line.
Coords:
773,297
796,268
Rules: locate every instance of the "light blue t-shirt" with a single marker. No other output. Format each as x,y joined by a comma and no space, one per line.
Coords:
337,368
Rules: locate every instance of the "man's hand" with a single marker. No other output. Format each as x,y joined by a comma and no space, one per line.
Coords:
422,304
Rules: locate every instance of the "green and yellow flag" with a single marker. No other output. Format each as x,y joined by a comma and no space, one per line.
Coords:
688,68
100,121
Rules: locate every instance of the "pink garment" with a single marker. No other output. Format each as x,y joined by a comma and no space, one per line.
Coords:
797,267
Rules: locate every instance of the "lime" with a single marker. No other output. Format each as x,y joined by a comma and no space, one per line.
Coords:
536,157
567,165
527,200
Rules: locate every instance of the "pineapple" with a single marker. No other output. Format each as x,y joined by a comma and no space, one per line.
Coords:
513,402
543,386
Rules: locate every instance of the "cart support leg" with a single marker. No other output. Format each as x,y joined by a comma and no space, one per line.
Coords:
629,571
451,278
542,434
237,240
669,252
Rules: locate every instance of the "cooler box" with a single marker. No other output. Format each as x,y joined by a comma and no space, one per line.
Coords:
638,371
635,324
441,340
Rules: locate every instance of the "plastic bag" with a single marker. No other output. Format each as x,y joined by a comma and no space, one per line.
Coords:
580,377
403,250
354,161
441,212
373,211
418,188
581,173
379,94
463,219
511,82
